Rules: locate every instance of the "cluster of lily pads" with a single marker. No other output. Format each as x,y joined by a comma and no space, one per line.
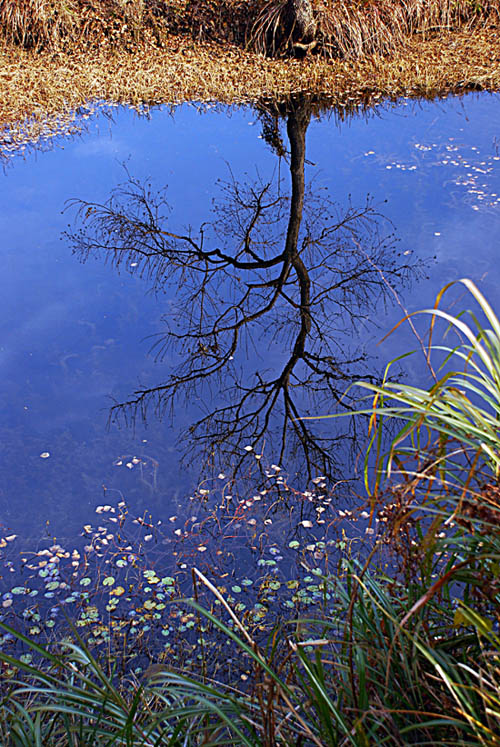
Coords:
121,583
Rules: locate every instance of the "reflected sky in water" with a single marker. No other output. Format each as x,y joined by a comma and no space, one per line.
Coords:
75,337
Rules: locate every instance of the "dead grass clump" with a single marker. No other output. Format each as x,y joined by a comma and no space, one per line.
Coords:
36,23
349,28
73,24
353,28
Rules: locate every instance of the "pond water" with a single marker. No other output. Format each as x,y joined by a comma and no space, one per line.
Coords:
249,292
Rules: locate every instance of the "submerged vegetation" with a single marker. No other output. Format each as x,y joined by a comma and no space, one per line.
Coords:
399,643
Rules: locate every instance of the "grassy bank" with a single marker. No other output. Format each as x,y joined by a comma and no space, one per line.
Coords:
51,63
339,28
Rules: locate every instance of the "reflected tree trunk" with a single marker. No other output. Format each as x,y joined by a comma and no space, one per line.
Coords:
285,271
297,124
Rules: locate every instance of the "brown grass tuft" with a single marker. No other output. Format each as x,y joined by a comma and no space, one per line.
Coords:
70,24
353,28
35,23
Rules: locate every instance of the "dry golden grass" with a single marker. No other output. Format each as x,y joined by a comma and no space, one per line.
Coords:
352,28
40,92
343,27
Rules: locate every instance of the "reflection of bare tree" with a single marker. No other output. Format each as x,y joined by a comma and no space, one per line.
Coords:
270,271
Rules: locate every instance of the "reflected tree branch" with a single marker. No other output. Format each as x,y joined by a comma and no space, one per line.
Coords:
290,276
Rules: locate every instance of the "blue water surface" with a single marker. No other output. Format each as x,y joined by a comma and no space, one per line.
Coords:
76,336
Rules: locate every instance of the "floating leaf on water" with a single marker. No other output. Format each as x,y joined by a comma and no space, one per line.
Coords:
121,563
236,589
6,602
247,582
168,580
108,581
19,590
52,585
85,581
